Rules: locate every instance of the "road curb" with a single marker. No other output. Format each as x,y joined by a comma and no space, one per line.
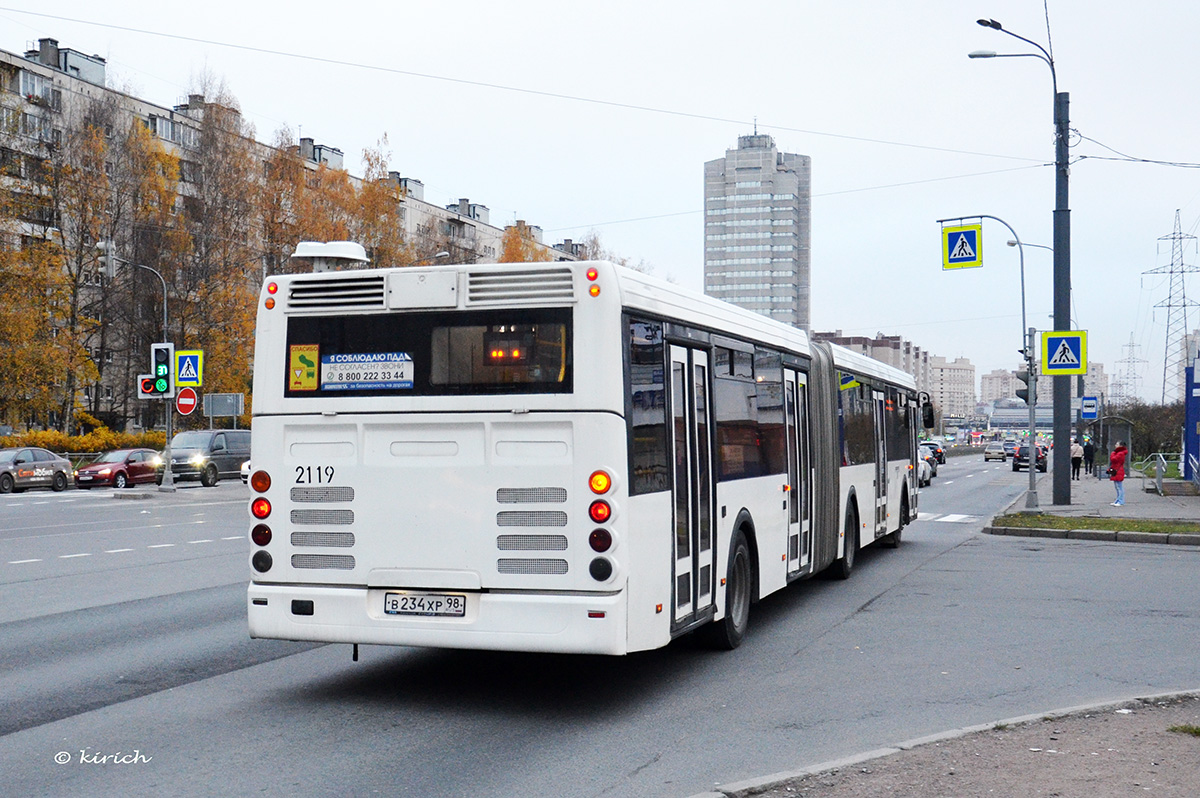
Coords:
750,787
1102,535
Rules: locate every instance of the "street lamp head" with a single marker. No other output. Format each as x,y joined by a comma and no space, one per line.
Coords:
982,54
989,23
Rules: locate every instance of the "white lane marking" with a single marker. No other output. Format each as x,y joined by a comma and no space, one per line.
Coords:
71,556
235,537
117,551
199,541
161,546
22,562
955,518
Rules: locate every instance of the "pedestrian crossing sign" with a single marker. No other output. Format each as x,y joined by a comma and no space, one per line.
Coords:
962,246
1064,352
189,367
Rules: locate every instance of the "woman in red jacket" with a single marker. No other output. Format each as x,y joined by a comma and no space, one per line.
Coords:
1116,470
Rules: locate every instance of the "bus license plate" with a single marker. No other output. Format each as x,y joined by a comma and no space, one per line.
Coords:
437,604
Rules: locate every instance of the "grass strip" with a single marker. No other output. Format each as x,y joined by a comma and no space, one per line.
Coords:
1047,521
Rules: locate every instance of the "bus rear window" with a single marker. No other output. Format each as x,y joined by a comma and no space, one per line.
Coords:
430,354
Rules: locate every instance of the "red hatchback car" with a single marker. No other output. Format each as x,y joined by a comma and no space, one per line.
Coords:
120,468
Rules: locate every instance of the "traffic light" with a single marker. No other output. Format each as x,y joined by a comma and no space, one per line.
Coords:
1023,393
145,383
107,262
162,368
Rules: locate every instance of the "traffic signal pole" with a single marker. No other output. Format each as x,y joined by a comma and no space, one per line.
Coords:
1031,497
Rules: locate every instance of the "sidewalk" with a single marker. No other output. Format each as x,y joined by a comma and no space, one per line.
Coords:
1094,497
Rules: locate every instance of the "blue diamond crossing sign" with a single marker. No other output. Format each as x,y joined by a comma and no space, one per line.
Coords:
1064,352
962,246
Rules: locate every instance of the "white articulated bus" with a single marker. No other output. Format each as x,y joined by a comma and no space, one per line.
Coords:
558,457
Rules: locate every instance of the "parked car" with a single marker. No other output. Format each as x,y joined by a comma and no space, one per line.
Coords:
119,468
246,473
938,451
994,451
208,455
32,467
1021,458
926,454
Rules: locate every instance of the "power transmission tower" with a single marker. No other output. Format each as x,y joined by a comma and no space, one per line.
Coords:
1174,351
1125,382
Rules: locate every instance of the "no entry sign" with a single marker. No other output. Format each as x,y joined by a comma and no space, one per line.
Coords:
185,403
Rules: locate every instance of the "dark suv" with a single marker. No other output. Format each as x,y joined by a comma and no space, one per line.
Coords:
208,455
1021,458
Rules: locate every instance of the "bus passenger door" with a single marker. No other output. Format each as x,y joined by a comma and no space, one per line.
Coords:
692,597
881,455
799,487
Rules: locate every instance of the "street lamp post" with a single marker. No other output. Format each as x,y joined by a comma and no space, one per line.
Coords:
1027,335
1062,255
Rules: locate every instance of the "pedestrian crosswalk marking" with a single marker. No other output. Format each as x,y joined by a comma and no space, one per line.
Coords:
949,518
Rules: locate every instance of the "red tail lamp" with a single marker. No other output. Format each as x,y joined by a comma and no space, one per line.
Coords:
600,511
261,534
260,508
600,540
592,274
260,481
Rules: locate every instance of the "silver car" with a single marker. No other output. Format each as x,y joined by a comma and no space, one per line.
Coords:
32,467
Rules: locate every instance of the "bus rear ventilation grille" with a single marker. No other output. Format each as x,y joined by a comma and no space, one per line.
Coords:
334,562
531,518
339,540
532,542
518,285
538,567
333,293
531,495
341,493
328,517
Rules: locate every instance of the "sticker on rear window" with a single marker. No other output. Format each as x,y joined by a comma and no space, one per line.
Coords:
375,370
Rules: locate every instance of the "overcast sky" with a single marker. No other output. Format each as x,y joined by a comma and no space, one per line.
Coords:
903,129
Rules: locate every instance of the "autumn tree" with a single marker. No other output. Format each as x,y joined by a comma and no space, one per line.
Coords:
518,246
216,284
378,224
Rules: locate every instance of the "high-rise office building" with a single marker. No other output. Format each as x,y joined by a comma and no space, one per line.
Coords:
757,217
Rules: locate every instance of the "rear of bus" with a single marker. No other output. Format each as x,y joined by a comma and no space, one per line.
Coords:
438,459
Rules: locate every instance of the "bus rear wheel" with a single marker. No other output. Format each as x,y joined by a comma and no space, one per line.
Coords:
727,633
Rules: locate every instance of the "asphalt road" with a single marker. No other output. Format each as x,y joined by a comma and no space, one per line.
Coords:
951,629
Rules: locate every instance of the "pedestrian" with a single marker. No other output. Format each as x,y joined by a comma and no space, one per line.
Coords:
1116,472
1076,458
1089,456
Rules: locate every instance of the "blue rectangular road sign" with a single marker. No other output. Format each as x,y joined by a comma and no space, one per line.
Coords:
1089,408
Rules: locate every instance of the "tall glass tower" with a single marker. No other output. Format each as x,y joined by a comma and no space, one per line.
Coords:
757,217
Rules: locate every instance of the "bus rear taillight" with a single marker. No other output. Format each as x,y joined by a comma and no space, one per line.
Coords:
260,481
600,511
262,561
261,534
599,482
600,540
260,508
